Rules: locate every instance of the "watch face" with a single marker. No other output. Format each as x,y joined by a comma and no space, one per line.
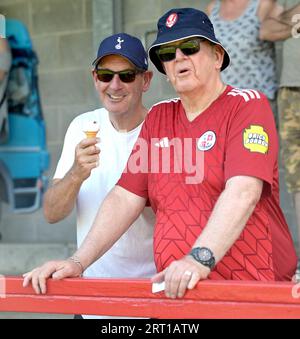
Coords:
205,254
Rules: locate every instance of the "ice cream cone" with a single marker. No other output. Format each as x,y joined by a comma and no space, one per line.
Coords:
91,128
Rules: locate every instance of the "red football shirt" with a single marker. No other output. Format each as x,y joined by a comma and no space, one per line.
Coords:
182,168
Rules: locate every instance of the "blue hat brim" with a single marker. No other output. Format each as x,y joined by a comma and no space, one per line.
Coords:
176,35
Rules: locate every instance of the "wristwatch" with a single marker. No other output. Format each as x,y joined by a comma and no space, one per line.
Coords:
204,256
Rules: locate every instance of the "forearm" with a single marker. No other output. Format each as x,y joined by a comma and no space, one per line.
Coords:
60,199
287,16
228,219
279,27
118,211
274,30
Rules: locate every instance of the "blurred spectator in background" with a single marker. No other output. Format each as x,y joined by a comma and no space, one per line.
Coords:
283,23
5,63
253,66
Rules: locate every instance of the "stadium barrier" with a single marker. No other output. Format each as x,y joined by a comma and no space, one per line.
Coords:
134,298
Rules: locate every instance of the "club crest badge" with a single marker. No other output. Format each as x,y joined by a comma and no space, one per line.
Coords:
119,45
172,19
207,141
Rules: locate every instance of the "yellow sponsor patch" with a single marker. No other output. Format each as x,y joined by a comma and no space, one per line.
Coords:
256,140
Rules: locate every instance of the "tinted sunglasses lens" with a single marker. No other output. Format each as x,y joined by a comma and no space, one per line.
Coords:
190,47
127,76
104,75
166,53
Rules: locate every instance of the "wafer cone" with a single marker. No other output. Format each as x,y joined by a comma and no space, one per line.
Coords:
91,134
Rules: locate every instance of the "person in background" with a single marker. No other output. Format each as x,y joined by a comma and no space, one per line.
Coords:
283,24
253,61
86,173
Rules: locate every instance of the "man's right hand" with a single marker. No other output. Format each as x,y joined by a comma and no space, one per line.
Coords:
56,270
86,158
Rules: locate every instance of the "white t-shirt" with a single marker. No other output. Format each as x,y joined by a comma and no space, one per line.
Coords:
132,254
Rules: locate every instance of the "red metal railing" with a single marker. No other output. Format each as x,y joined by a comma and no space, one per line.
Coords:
133,298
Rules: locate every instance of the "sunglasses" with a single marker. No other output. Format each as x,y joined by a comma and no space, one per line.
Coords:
106,75
188,47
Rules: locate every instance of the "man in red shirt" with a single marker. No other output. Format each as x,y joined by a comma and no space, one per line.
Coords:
207,162
237,138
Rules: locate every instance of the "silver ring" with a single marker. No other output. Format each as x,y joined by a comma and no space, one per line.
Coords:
188,273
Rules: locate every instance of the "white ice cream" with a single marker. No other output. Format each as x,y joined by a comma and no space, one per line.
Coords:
91,126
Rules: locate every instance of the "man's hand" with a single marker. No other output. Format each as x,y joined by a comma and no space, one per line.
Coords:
56,269
181,275
86,158
60,198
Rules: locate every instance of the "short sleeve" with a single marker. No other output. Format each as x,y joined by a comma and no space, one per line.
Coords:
72,138
135,175
252,142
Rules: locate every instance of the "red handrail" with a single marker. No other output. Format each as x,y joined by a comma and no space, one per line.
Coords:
133,298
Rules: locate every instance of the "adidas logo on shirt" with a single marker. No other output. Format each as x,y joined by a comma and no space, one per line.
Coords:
247,94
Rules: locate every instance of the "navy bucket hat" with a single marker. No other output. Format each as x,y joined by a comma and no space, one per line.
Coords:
126,46
182,23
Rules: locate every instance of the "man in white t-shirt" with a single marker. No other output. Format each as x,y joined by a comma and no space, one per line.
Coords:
89,167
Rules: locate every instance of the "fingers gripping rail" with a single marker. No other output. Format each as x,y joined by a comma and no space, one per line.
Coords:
210,299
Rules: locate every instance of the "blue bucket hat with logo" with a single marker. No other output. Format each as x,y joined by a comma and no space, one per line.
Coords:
182,23
126,46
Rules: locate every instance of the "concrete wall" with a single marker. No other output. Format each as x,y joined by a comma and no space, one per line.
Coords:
66,34
62,35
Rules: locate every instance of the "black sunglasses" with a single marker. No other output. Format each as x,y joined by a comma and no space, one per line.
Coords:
106,75
188,47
